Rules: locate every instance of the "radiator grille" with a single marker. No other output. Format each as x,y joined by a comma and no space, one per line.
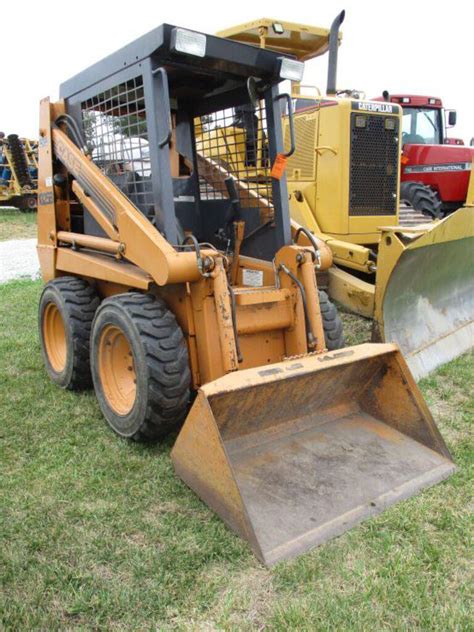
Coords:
304,159
373,166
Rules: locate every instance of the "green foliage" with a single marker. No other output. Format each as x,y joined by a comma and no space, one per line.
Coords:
15,224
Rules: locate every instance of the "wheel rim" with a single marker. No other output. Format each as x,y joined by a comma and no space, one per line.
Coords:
54,335
117,370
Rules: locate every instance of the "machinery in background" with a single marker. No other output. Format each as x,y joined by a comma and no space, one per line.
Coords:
435,169
416,282
18,172
179,291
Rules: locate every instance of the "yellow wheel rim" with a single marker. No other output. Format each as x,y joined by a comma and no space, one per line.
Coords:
54,336
117,370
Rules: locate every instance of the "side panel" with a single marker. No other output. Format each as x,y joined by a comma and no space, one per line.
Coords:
332,169
445,168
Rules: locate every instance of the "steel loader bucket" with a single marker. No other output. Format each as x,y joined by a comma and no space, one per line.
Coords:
428,302
292,454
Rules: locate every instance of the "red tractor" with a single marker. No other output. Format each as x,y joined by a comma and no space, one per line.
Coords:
435,170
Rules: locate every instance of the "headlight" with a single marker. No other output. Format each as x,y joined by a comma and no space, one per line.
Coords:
361,121
390,123
188,42
291,69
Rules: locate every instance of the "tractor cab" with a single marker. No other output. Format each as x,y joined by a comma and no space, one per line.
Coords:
425,121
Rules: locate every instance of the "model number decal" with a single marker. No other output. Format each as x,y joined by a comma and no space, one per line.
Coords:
45,198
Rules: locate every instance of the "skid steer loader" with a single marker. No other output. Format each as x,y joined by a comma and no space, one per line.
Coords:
417,283
173,284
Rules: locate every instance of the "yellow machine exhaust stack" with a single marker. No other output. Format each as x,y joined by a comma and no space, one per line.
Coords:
293,454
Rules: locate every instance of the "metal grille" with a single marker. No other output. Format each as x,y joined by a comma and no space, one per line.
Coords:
114,122
303,160
234,142
373,166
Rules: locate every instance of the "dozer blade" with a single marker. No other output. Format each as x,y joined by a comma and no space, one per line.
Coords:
428,303
292,454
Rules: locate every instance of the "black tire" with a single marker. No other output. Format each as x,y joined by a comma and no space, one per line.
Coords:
421,198
72,302
28,203
159,365
332,323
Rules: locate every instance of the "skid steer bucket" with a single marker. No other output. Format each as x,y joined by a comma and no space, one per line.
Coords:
292,454
428,302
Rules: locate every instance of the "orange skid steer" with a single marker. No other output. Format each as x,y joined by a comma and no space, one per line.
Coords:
179,293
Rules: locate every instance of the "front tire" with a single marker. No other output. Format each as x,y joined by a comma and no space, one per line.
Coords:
140,366
66,310
421,198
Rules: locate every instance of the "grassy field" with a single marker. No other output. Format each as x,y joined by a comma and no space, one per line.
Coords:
98,534
16,225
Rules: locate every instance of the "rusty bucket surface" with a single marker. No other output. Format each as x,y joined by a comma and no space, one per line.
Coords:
298,452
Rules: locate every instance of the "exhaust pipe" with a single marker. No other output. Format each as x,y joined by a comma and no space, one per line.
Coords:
333,48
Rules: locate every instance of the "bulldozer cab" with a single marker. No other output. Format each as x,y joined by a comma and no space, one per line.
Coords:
170,105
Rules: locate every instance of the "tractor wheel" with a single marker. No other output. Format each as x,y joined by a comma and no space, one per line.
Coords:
421,198
27,203
140,366
332,323
66,311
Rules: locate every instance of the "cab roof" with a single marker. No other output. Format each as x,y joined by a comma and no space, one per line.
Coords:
300,40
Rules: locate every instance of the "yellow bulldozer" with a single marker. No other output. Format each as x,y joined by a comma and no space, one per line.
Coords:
417,282
18,172
178,291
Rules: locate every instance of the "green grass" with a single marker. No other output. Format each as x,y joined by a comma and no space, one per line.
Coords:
97,533
16,225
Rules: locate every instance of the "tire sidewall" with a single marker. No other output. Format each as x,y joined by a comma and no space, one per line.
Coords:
123,425
52,295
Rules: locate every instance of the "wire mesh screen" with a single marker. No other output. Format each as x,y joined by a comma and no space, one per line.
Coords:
234,142
114,123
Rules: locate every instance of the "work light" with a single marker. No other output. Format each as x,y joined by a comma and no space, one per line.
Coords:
291,69
188,42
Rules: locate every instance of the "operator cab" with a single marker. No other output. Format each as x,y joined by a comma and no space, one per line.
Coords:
423,119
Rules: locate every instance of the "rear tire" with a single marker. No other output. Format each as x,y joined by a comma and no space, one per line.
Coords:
140,366
332,323
421,198
66,310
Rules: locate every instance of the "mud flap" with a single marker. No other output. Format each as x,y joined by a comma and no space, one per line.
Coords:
428,303
298,452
